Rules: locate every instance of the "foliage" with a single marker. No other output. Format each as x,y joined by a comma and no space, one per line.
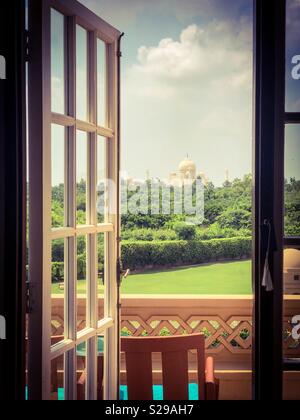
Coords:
202,233
292,207
150,221
166,240
81,267
216,232
185,231
58,274
235,219
149,235
137,255
226,207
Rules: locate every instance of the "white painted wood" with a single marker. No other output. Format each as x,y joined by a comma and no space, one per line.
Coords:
63,120
86,126
71,257
42,234
69,232
105,227
111,296
87,19
105,132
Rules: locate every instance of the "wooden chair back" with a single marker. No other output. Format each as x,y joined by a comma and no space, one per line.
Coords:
174,350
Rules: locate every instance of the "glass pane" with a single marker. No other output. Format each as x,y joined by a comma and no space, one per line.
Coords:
58,175
81,352
81,282
291,319
101,179
100,368
57,62
57,379
293,57
101,275
292,180
102,93
81,176
58,287
291,274
82,73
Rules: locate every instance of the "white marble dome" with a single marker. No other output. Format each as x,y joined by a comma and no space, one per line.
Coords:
187,167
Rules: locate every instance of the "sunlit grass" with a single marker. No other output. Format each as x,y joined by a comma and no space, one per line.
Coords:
215,279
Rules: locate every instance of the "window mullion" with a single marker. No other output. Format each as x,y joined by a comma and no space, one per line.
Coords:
70,163
92,301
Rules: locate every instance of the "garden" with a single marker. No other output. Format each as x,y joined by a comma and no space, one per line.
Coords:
167,255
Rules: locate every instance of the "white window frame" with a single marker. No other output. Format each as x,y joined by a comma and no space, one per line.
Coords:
41,233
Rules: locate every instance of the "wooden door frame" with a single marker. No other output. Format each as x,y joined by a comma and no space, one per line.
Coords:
269,108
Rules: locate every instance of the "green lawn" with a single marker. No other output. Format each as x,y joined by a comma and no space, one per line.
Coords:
216,279
81,288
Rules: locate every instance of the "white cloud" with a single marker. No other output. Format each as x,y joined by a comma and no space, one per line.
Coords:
214,55
192,95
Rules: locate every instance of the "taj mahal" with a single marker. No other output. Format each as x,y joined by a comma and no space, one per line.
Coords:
187,172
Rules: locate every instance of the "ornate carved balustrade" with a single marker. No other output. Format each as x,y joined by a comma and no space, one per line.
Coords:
226,321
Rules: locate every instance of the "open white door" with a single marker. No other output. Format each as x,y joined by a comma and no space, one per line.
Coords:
73,250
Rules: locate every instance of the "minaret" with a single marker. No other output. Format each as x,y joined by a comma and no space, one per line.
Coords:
226,175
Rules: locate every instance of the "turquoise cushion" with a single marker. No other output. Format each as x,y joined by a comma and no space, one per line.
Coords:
158,392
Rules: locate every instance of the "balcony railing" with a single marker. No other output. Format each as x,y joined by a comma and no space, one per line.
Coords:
226,322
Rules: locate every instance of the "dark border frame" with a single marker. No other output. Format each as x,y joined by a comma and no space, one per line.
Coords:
269,71
13,200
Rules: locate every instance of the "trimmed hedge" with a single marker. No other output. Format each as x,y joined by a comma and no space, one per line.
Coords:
147,254
149,235
138,255
202,234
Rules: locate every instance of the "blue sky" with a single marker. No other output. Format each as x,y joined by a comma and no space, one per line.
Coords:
186,85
